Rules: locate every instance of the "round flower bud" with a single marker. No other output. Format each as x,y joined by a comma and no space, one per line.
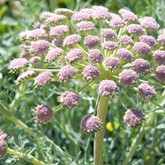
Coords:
147,91
107,88
91,41
64,11
116,22
53,54
81,16
39,46
90,124
148,23
17,63
70,99
85,26
125,54
148,40
160,57
43,78
90,72
161,39
72,39
142,48
160,73
44,114
108,33
74,54
34,59
135,29
109,45
112,63
128,15
100,14
125,39
66,73
55,19
128,77
59,30
25,75
3,141
95,55
25,54
141,66
133,117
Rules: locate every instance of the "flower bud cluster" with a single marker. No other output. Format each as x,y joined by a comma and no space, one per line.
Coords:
93,44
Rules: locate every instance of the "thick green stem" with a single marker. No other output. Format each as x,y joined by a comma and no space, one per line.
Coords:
24,156
98,142
137,140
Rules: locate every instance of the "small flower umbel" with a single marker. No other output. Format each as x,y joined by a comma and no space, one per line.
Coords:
94,48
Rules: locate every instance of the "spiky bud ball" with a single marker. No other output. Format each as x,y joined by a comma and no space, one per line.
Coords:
91,41
146,90
3,141
160,73
142,48
148,40
116,22
107,88
149,23
66,73
39,46
23,76
133,117
160,57
44,114
128,77
59,30
81,16
43,78
72,39
108,33
90,72
53,54
125,39
100,14
141,66
135,29
90,124
74,54
95,55
109,45
85,26
69,99
17,63
125,54
112,63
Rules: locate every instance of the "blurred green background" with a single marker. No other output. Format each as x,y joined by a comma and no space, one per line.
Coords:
19,15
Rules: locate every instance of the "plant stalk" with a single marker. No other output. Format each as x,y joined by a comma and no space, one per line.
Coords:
99,136
31,159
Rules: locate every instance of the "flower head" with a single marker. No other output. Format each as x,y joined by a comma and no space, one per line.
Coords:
107,88
25,75
142,48
133,117
160,57
125,39
72,39
108,33
59,30
146,90
128,77
90,124
90,72
91,41
95,55
66,73
70,99
85,26
148,40
43,78
128,15
125,54
44,113
134,29
109,45
160,73
3,141
112,63
39,46
17,63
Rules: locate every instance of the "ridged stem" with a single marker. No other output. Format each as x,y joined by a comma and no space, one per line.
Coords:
24,156
138,138
99,136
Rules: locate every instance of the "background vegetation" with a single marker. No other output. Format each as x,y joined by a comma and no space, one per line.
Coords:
17,16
